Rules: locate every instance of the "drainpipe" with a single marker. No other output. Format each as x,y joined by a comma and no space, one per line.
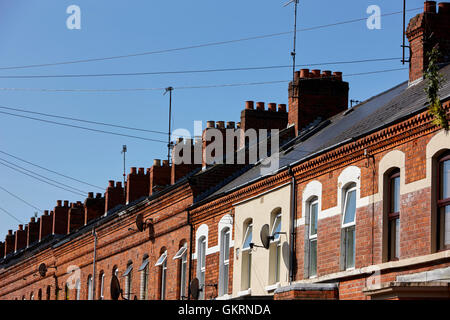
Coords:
94,276
292,223
190,255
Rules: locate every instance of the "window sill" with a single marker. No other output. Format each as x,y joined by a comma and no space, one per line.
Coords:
224,297
245,293
272,287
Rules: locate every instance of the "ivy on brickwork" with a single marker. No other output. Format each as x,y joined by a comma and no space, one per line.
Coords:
435,80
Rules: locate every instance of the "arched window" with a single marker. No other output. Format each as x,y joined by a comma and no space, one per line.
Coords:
348,226
128,280
182,257
143,269
275,247
443,203
162,264
393,214
40,294
313,214
78,289
115,271
224,256
49,290
66,292
90,288
32,296
102,286
201,264
246,274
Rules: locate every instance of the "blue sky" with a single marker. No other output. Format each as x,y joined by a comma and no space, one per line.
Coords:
34,32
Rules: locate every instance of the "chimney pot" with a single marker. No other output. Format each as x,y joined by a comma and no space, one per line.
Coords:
10,232
220,124
282,107
210,124
66,203
157,162
430,6
32,219
316,73
20,227
296,75
444,8
260,106
141,171
90,195
118,184
133,170
98,195
165,163
304,73
58,203
230,125
179,140
46,213
338,75
326,74
238,125
249,105
111,183
272,107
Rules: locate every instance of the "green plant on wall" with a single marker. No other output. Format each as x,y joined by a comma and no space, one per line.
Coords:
435,80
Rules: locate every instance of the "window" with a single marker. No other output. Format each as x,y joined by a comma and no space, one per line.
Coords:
247,257
49,290
312,236
32,296
144,278
90,289
102,286
275,249
224,261
115,271
40,294
128,279
443,216
393,216
66,292
182,256
162,262
201,265
78,289
348,227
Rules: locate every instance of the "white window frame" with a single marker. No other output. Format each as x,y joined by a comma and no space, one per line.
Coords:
161,259
348,225
277,242
224,263
143,269
182,255
78,289
247,250
312,237
250,225
90,288
346,194
201,264
102,286
163,279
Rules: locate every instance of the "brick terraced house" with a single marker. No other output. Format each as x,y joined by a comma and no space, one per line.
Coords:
358,208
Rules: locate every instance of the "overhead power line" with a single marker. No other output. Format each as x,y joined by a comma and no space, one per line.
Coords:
46,169
42,176
184,87
82,128
20,199
197,46
10,214
42,180
150,73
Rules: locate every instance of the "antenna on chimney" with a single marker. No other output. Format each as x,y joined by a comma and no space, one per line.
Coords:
404,33
124,151
293,53
169,143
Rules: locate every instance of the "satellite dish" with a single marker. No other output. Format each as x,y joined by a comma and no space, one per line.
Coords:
194,287
140,222
42,269
115,288
286,252
265,236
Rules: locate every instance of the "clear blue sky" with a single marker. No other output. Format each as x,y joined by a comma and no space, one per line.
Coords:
34,32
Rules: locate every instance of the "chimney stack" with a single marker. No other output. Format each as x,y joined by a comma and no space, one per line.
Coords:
315,94
138,184
94,207
262,118
114,196
60,217
179,166
9,243
33,231
160,176
75,217
425,31
20,238
2,250
46,225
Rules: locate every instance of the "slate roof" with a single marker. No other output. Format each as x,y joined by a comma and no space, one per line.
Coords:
389,107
